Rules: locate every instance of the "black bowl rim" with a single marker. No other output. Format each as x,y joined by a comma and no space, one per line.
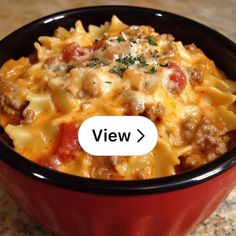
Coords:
118,187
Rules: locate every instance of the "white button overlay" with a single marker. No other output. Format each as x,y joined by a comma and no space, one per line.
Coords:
117,135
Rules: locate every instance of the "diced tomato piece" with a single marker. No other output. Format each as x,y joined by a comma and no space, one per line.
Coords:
97,45
74,50
178,77
65,149
68,141
71,51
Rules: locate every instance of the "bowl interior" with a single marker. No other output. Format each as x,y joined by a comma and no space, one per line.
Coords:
215,46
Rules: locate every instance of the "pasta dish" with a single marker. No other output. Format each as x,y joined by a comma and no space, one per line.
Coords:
117,70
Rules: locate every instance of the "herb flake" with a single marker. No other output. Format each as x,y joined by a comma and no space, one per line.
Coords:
154,54
120,39
117,70
127,60
163,65
151,40
95,61
151,71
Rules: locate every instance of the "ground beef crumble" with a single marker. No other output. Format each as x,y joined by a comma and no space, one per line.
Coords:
207,137
11,101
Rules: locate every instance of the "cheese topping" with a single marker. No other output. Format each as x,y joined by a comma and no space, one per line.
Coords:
116,70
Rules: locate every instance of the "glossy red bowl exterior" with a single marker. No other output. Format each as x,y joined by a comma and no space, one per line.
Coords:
70,205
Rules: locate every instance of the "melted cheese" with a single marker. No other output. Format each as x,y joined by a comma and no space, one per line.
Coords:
130,73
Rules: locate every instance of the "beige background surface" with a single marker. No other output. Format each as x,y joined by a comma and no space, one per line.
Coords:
220,15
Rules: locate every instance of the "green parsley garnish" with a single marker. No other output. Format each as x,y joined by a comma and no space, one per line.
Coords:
95,61
155,54
163,65
108,82
151,40
127,60
151,71
120,39
118,70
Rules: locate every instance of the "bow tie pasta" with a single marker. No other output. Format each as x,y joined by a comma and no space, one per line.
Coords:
117,70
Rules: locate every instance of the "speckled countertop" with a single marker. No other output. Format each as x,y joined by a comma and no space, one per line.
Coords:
220,15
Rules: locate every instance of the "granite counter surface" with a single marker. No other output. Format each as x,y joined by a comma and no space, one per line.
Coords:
220,15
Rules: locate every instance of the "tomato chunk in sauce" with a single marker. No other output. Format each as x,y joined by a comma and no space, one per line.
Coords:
73,50
66,147
68,141
177,78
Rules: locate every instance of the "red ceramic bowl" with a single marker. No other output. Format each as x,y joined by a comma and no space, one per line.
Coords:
69,205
